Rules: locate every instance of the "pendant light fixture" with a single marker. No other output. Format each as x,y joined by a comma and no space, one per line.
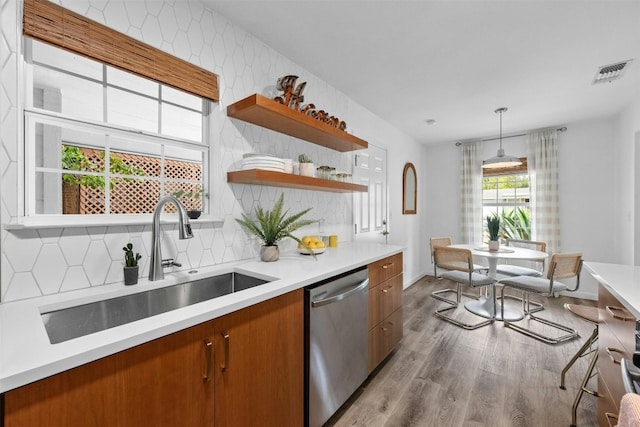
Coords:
501,160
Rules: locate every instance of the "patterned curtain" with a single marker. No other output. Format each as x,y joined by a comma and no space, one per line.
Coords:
471,194
543,177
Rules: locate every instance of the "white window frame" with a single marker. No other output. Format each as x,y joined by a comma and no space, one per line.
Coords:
29,218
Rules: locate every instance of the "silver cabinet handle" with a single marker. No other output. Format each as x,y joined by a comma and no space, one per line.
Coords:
225,365
207,354
611,417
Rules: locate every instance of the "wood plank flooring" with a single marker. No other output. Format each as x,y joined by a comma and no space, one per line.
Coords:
444,376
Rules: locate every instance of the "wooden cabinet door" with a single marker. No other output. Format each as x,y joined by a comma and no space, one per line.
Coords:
259,364
160,383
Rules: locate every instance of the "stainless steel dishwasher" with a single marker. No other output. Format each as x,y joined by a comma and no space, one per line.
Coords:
336,333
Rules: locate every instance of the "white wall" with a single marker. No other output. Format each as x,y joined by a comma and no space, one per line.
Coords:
586,198
35,262
626,193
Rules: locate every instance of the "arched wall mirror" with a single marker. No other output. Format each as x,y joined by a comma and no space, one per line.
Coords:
409,189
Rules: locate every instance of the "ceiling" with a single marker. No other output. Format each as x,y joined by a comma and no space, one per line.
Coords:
457,61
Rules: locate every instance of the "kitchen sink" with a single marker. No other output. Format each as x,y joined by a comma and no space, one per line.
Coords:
73,322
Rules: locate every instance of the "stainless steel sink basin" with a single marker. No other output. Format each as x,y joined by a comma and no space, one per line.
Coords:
73,322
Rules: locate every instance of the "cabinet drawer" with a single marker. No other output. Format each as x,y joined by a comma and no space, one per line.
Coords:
609,371
384,269
384,337
384,299
621,323
605,405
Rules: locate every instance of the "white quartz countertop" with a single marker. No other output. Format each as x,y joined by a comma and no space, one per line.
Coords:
623,281
26,355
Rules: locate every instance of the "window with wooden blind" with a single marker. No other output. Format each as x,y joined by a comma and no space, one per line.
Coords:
101,141
506,193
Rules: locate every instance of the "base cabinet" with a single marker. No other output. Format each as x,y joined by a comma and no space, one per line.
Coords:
242,369
259,379
160,383
385,308
616,340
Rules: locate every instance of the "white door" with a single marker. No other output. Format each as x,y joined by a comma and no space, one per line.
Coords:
370,208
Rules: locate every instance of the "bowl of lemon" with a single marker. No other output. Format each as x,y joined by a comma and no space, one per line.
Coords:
314,243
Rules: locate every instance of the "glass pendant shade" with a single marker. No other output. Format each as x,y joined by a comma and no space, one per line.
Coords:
501,160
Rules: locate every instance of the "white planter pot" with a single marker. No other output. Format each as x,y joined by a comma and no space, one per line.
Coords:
307,169
494,245
269,253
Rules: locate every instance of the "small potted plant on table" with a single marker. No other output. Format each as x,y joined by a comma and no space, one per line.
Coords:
272,226
130,265
493,224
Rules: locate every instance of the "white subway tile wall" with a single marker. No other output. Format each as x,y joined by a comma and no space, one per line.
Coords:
47,261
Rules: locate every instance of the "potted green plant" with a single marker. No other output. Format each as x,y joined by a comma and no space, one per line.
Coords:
273,225
190,199
493,225
130,265
305,165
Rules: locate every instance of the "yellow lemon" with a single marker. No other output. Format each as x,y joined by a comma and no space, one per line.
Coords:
306,240
319,244
314,239
312,245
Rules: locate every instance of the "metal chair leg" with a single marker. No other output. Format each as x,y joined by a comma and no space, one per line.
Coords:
583,389
582,352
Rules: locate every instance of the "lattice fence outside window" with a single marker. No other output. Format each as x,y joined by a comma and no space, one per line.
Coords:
133,195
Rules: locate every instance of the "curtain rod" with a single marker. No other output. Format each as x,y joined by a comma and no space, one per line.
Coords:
562,129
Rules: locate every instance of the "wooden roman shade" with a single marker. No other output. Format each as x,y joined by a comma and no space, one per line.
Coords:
60,27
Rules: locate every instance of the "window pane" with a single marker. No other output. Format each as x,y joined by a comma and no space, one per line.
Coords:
62,59
132,82
179,97
67,94
131,110
137,157
133,196
181,123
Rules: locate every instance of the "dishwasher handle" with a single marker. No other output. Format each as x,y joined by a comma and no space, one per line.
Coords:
357,288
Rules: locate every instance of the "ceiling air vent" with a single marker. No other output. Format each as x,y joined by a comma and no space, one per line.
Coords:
611,72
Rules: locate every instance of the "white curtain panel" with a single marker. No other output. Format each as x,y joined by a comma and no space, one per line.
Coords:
471,194
543,178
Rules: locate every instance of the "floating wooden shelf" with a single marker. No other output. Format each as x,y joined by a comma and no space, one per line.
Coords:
262,111
281,179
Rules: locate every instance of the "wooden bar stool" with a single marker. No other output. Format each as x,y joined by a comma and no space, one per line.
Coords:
591,315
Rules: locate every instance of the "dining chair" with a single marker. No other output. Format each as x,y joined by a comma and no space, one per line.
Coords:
562,266
446,241
513,270
517,270
458,263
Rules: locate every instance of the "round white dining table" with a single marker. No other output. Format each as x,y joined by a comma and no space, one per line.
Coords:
489,307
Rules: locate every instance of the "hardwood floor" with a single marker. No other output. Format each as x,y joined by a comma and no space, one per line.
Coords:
441,375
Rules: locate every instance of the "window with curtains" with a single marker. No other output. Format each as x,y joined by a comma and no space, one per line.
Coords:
99,140
506,192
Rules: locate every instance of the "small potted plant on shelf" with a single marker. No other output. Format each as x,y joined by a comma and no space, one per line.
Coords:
493,225
272,226
305,165
191,201
130,265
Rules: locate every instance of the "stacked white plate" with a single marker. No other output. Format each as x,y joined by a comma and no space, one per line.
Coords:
262,161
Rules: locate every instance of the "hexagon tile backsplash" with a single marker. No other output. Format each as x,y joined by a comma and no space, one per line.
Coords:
45,261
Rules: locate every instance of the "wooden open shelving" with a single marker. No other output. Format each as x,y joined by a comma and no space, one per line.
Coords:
281,179
262,111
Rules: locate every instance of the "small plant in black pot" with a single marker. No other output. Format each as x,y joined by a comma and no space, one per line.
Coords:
130,265
191,200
